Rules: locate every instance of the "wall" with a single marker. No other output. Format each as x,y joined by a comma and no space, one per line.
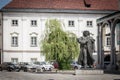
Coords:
24,30
0,37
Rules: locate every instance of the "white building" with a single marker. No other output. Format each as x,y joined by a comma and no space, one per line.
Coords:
23,24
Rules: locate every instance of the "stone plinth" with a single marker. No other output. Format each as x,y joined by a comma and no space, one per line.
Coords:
89,72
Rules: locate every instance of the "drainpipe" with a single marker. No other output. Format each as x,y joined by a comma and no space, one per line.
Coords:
2,55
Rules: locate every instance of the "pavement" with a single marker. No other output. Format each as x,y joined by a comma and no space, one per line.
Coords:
4,75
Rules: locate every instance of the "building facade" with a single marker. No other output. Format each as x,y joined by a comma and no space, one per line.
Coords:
23,24
1,33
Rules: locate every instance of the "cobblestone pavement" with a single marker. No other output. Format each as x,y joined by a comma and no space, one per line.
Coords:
54,76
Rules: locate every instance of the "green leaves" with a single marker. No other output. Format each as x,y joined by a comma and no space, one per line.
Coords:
58,44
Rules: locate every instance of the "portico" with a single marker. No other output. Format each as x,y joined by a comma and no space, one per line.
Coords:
109,26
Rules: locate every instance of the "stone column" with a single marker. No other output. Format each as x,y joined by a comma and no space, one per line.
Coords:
99,47
113,49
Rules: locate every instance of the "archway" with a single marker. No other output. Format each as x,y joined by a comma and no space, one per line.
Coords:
116,41
114,21
106,42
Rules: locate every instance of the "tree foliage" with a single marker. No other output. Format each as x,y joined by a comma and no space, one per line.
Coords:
59,45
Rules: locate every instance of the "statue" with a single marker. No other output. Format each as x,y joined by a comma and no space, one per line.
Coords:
87,48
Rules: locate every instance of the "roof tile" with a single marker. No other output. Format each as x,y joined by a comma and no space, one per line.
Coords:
64,4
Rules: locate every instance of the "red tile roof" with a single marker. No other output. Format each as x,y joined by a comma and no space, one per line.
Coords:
64,4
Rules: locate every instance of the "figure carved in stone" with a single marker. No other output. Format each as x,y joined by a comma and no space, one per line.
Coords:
87,48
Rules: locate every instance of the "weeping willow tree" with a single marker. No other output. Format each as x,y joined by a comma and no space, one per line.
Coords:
59,45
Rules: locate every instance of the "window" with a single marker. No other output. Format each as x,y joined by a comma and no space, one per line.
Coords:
33,59
14,42
33,22
14,60
89,23
71,23
33,41
108,41
14,22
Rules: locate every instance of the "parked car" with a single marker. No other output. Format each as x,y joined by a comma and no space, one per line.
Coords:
75,65
23,66
9,66
44,66
31,67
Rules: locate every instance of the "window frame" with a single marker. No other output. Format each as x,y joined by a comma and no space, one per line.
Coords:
33,23
14,60
14,22
33,59
14,41
89,23
71,23
33,41
108,41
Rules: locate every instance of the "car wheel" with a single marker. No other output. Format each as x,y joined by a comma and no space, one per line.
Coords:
17,70
75,67
36,70
50,69
9,69
43,69
25,69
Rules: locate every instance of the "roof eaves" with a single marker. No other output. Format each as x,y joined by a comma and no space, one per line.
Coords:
108,16
75,11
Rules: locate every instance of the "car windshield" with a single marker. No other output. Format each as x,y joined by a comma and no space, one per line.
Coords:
41,63
10,63
44,63
74,62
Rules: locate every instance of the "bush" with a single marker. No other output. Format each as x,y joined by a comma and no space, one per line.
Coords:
64,65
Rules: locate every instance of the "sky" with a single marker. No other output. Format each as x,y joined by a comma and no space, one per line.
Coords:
3,3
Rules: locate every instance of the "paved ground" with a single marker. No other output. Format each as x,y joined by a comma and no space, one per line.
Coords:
54,76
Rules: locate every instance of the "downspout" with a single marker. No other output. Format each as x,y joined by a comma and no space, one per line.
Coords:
2,55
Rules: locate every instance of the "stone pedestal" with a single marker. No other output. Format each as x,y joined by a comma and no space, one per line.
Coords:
89,72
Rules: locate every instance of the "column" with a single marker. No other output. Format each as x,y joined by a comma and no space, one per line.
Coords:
101,48
113,49
98,47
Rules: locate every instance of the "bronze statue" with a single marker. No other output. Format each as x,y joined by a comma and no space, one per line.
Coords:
86,50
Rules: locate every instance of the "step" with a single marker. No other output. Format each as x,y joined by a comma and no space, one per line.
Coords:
89,72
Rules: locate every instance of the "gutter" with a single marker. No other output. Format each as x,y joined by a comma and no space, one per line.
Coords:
60,11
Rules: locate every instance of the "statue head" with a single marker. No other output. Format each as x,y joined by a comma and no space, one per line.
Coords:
86,33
